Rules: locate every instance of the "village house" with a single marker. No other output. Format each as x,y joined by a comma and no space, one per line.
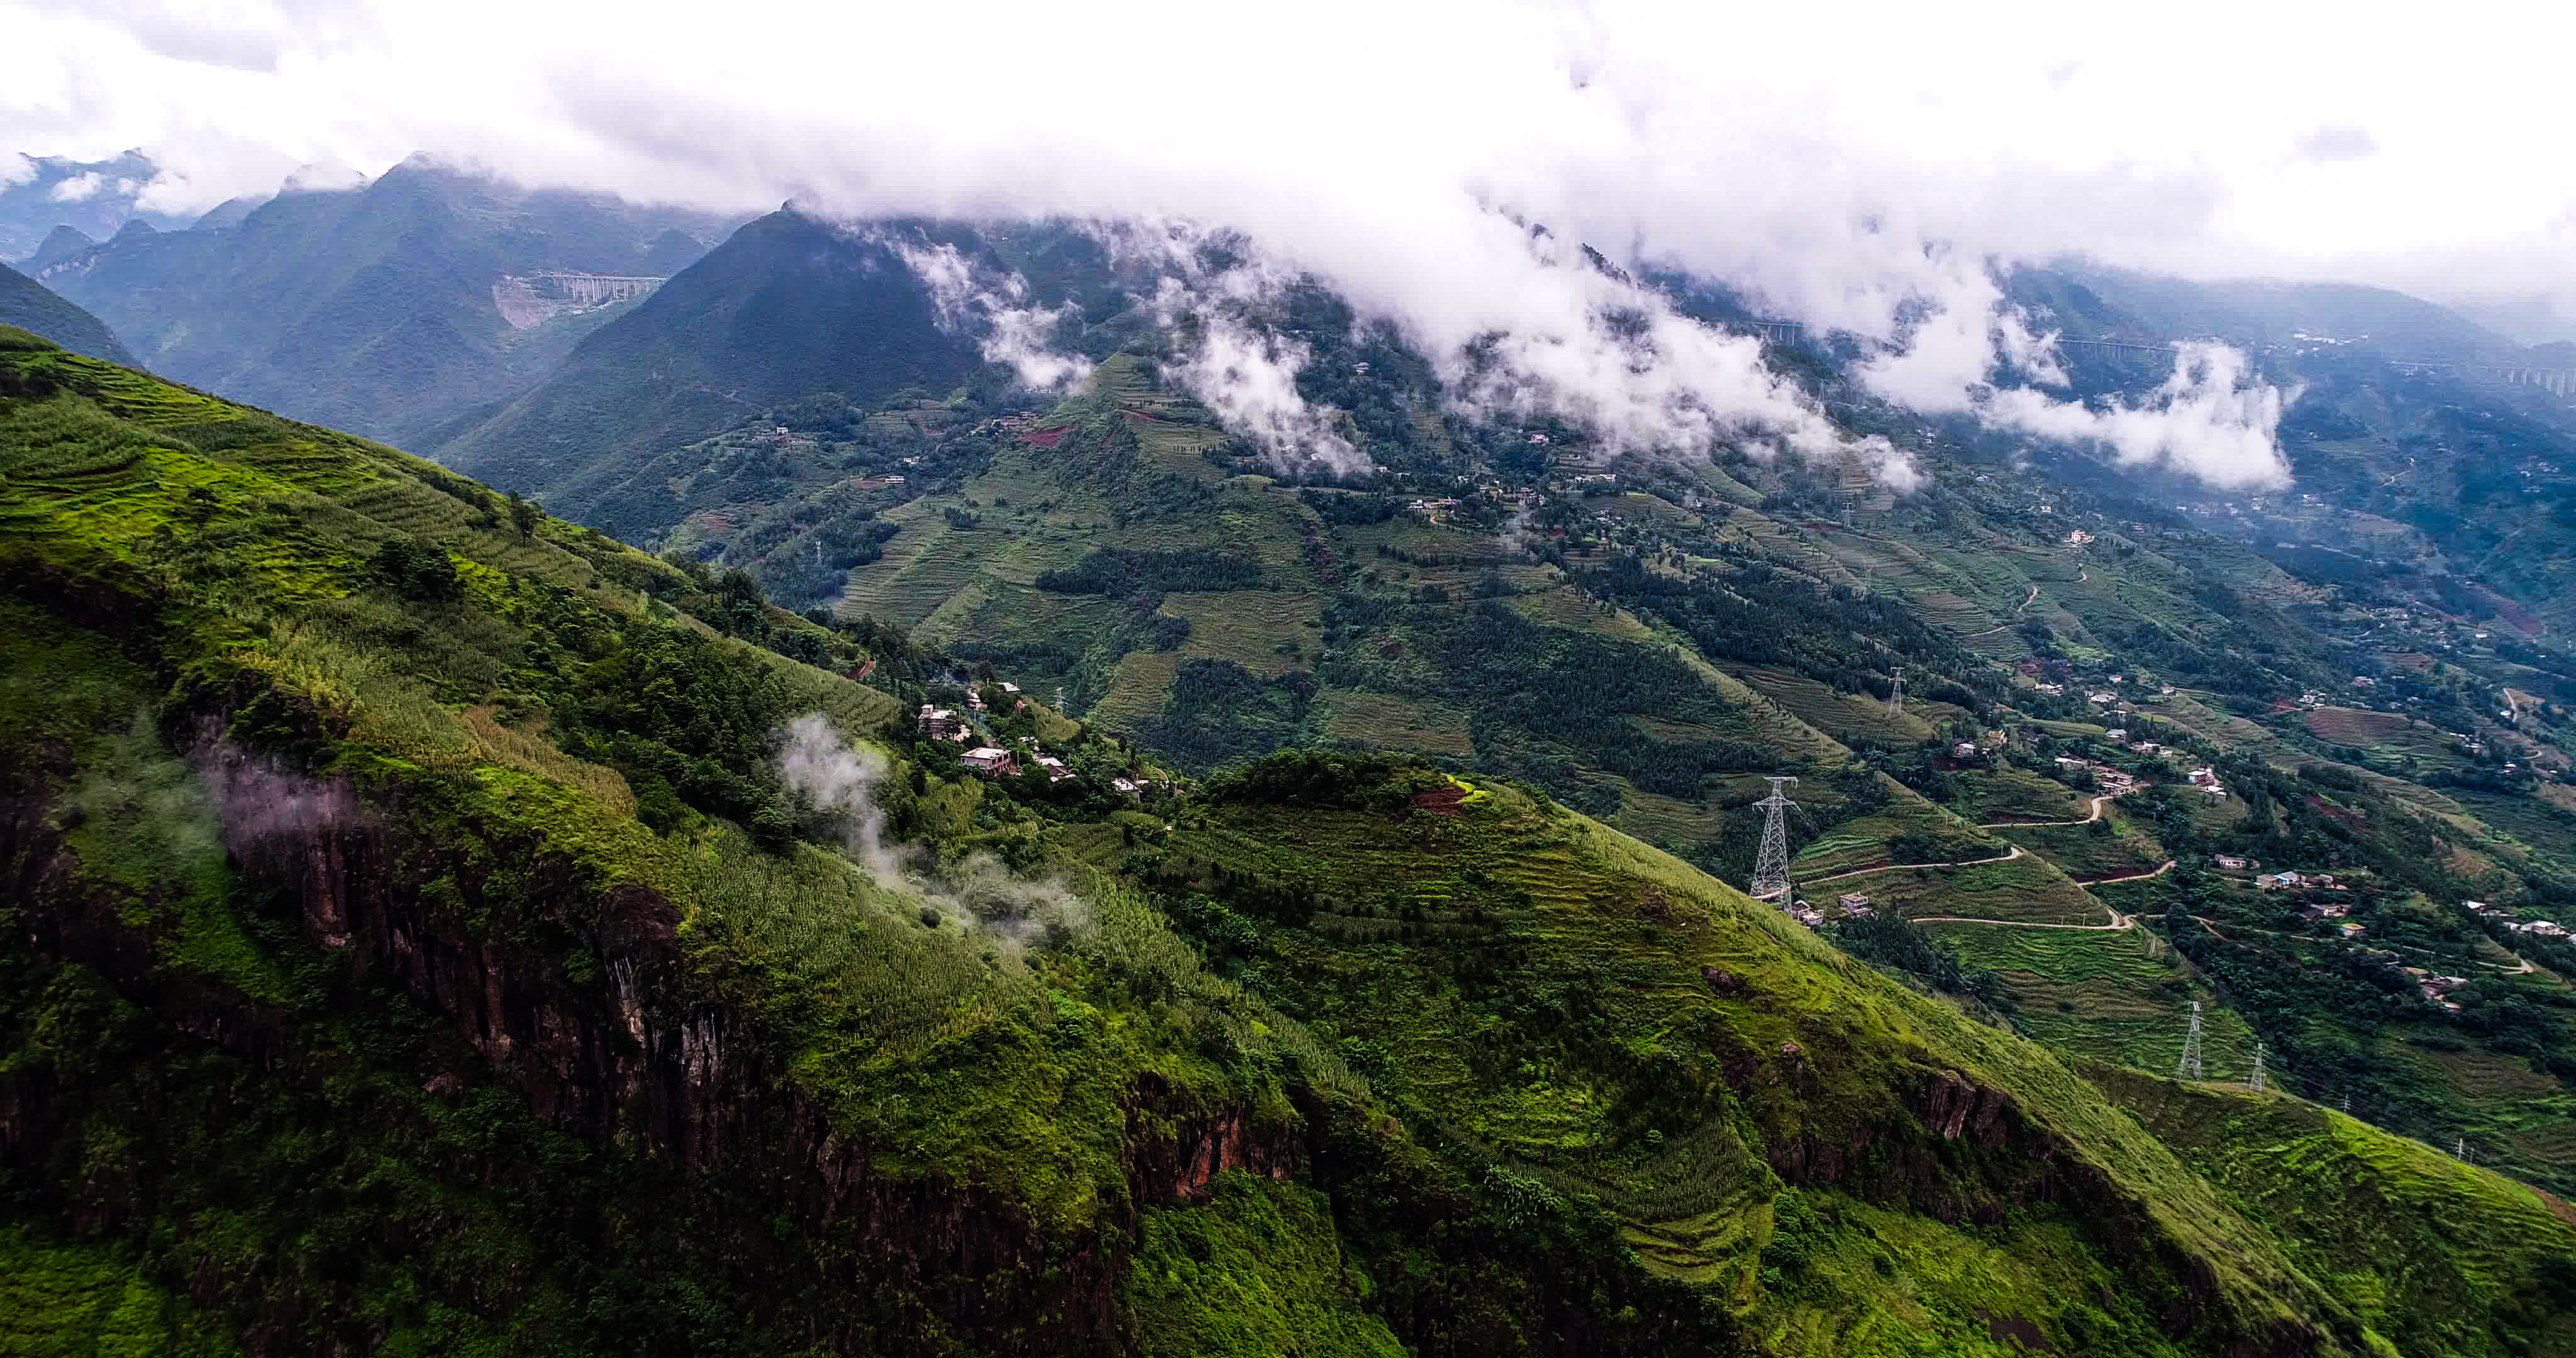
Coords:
2233,863
2540,928
1056,771
2320,911
2116,735
940,723
1125,785
2144,747
991,761
1855,905
2352,929
2474,907
1966,749
2103,699
2278,881
2053,690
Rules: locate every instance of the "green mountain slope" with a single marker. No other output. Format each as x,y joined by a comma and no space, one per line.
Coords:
414,945
786,307
32,306
371,309
2436,1256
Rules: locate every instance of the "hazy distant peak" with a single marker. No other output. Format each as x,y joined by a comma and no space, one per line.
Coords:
323,177
63,242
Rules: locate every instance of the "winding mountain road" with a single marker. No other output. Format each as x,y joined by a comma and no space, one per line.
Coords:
2017,612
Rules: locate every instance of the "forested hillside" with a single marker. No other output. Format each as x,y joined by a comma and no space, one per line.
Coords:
436,927
371,308
31,306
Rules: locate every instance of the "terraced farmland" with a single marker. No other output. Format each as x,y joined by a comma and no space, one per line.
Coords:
2117,996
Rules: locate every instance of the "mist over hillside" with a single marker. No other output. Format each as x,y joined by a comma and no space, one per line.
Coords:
1455,679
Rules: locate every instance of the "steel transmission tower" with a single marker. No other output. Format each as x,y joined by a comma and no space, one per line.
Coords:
2257,1081
2188,1067
1896,696
1771,865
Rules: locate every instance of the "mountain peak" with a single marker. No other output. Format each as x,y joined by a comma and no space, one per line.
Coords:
61,243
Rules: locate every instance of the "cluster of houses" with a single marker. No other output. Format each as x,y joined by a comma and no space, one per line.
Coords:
2435,988
2298,881
2117,782
1853,904
995,761
2206,780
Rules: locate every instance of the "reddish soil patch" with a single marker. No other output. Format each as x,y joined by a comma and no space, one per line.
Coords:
2334,812
1138,417
2557,1207
1046,438
2281,705
1442,800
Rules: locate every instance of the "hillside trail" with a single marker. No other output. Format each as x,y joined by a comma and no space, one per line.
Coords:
2017,612
2161,870
2119,923
2090,817
1900,867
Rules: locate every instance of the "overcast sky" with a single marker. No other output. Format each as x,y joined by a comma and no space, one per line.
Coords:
1812,152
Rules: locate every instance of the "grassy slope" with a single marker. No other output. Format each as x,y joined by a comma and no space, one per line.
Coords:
2436,1256
1522,981
1574,1055
247,558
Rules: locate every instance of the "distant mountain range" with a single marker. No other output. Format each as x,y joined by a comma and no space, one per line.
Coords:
785,307
94,198
373,307
30,305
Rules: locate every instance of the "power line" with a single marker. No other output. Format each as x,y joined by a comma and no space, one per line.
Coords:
1771,864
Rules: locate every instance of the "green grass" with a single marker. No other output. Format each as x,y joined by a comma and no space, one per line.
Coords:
2434,1256
1386,722
61,1299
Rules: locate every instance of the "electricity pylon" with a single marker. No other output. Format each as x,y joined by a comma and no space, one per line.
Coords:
1896,696
2257,1081
2188,1067
1771,864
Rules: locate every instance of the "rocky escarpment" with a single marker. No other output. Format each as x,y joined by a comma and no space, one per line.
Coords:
577,1000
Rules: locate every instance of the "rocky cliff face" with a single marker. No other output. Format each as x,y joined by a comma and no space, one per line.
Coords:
622,1058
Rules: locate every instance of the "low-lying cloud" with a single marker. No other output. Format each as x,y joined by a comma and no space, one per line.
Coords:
833,778
992,307
1855,181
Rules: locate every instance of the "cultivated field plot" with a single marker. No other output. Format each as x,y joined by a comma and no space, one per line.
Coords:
1658,819
2388,734
1138,690
1382,721
2121,996
1864,842
2025,890
1269,632
1844,716
2111,847
1989,795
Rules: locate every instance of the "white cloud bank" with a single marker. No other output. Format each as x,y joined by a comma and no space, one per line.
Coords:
1858,170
